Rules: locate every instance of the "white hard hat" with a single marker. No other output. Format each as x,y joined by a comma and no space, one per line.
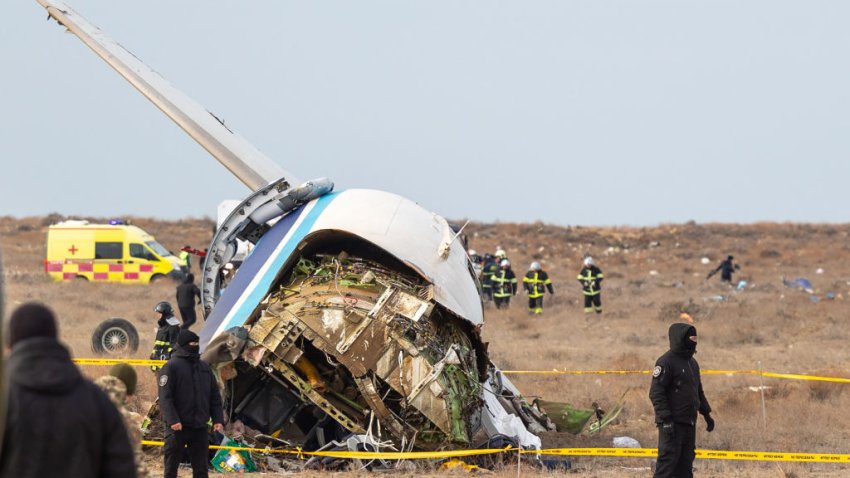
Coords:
472,252
505,263
588,261
501,253
535,266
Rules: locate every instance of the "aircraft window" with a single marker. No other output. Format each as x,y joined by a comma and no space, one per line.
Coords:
141,252
108,250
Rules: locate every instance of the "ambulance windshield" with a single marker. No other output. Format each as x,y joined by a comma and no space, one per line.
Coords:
158,248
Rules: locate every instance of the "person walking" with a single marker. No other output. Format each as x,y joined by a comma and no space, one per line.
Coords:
489,268
166,333
536,282
188,398
120,383
504,285
187,293
590,277
184,258
677,396
726,269
57,422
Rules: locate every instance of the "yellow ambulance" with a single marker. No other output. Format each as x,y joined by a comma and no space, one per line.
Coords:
106,253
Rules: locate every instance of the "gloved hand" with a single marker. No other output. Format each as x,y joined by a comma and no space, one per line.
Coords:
668,428
709,422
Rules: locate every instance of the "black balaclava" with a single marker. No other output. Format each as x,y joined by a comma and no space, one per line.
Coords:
31,320
679,341
183,339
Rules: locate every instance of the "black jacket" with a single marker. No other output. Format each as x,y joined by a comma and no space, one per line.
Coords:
57,422
166,338
188,392
186,293
676,390
590,278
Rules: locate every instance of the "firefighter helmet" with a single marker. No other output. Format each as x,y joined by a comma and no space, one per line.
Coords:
535,266
163,308
505,263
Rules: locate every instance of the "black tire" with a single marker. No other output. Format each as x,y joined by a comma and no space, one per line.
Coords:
156,278
114,337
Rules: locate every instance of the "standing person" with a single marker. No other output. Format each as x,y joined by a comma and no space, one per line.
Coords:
187,291
57,422
166,333
590,278
504,285
188,398
120,383
185,263
489,268
536,281
726,268
677,396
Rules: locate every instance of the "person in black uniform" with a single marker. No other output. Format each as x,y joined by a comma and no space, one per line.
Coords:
57,422
536,281
187,292
188,398
504,285
590,277
726,268
489,268
676,395
166,334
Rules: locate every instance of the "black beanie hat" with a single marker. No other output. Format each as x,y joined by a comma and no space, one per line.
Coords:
126,374
31,320
186,336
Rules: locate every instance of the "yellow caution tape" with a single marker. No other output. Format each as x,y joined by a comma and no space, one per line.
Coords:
707,454
616,452
361,455
790,376
91,361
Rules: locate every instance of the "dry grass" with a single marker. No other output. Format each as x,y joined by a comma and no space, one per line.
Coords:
766,323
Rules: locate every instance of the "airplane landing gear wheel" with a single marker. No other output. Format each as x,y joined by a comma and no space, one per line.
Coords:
115,337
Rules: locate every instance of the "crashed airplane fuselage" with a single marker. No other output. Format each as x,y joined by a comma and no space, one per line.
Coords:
357,312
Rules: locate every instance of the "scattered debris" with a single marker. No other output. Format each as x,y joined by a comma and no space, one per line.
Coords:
742,284
626,442
705,261
819,271
799,283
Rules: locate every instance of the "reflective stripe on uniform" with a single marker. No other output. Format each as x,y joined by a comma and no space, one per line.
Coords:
501,284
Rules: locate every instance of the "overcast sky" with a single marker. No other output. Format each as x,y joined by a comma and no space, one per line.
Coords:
571,112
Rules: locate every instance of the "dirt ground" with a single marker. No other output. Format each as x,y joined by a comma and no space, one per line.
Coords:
652,275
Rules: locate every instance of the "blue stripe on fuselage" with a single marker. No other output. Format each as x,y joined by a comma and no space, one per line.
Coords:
262,253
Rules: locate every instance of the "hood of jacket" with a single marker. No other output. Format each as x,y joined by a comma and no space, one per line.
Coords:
43,365
679,341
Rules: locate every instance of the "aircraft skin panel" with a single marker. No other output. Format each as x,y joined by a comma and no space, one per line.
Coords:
414,235
240,157
259,270
391,222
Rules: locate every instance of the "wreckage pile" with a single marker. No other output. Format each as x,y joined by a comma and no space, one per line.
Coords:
345,353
